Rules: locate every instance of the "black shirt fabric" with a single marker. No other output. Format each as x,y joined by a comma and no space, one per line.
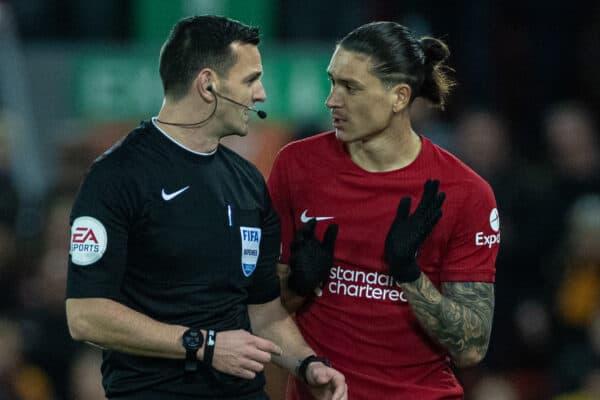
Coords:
180,246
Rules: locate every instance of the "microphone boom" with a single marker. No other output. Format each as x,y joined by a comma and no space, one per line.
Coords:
261,114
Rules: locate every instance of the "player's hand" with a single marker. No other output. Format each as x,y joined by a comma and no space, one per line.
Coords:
326,383
311,260
408,232
242,354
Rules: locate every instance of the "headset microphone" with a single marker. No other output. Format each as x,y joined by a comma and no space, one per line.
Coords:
261,114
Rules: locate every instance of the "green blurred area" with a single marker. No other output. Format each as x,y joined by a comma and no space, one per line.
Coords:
123,83
154,18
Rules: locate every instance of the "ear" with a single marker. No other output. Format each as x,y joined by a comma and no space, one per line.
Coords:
402,93
206,78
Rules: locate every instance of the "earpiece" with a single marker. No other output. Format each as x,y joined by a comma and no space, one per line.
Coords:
209,88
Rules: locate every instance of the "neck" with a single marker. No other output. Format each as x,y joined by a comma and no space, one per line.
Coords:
180,121
394,148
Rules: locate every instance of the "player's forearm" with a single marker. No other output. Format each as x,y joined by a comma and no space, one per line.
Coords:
464,327
109,324
271,321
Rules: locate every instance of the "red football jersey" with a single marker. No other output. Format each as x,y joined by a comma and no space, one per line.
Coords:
361,320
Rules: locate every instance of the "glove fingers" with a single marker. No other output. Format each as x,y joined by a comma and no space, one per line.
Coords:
403,209
439,200
432,220
330,237
430,190
431,212
308,229
436,217
428,198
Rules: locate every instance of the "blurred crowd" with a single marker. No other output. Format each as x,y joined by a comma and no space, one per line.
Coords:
546,337
540,153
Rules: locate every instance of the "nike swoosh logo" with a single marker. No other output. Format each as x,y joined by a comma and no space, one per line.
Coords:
170,196
305,218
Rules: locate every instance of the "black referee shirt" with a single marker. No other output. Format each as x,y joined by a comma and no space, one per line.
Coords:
182,237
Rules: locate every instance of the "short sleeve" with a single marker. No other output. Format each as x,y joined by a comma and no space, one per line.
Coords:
475,238
265,284
99,231
280,193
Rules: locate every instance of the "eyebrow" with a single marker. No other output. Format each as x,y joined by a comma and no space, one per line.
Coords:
253,76
345,80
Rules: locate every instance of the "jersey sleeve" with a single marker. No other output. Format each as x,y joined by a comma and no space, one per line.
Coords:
99,230
265,285
279,188
473,246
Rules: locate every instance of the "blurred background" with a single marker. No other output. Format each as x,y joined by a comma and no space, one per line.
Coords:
75,76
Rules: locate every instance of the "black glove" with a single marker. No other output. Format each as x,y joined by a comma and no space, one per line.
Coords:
408,232
311,260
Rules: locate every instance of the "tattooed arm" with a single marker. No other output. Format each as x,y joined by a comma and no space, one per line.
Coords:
459,318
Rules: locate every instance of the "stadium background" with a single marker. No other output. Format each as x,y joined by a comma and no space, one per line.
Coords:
75,76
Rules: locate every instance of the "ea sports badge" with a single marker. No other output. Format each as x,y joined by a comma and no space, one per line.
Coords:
88,241
250,248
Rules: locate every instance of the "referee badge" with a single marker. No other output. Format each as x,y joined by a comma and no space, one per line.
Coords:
250,248
88,241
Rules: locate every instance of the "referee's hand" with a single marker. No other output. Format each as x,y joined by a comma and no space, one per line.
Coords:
242,354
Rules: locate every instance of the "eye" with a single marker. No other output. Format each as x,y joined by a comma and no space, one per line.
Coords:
351,89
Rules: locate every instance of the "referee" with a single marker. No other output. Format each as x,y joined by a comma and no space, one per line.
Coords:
174,241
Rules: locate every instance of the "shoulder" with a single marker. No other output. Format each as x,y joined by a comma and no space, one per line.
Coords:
313,145
231,157
303,158
319,152
121,162
455,173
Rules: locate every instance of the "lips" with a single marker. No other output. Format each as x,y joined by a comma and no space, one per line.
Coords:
337,120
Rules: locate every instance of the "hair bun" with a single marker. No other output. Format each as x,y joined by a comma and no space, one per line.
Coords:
435,50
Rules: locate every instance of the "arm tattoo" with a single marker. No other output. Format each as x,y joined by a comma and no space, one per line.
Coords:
460,319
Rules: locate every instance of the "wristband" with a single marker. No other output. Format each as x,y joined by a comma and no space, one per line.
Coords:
209,347
303,367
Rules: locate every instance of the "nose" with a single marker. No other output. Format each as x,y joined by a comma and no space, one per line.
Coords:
333,100
260,95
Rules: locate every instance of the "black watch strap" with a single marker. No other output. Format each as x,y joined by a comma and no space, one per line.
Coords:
301,371
192,340
209,347
191,362
191,366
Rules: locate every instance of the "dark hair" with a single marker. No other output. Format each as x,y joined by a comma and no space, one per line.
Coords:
199,42
397,56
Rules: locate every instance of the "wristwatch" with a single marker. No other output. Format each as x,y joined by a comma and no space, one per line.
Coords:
192,340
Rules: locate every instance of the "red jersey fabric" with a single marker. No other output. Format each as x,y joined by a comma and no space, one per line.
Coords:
361,320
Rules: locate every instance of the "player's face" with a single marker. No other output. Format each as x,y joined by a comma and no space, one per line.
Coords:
361,106
243,85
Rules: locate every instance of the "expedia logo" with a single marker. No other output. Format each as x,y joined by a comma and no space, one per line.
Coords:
489,240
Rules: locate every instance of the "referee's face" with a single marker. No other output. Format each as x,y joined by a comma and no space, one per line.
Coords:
243,85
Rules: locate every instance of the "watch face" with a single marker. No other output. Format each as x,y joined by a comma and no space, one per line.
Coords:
192,339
